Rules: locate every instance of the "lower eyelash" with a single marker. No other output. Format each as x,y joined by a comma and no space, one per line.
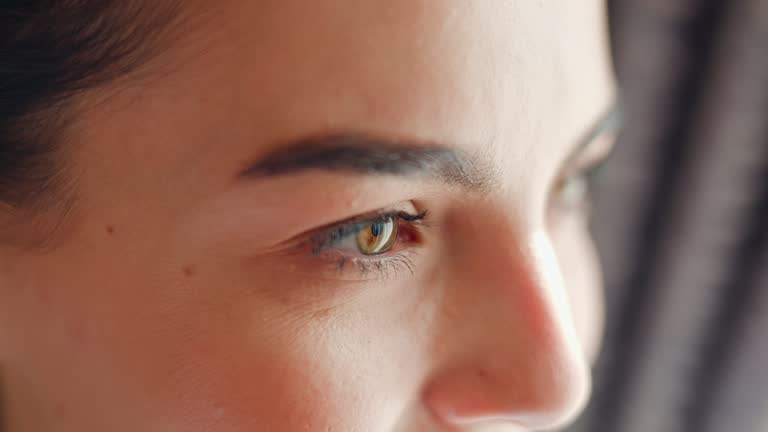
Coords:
394,264
385,267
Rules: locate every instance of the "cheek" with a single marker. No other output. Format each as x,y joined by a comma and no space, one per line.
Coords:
241,387
581,272
235,368
265,362
156,354
201,343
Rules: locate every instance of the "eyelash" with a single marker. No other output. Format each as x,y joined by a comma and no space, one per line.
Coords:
384,266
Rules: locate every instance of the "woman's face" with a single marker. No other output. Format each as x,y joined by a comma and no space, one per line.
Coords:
324,216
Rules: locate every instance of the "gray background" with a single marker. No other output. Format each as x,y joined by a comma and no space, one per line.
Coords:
681,221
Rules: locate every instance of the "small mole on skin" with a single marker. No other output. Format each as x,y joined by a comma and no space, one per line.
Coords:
43,296
61,410
79,333
189,271
110,230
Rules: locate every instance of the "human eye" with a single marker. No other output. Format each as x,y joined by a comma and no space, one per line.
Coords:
380,245
572,190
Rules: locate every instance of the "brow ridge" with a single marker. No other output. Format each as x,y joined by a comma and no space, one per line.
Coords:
370,155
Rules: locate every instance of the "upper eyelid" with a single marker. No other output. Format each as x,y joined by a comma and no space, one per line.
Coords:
374,217
324,237
588,151
359,222
356,221
304,239
600,149
583,162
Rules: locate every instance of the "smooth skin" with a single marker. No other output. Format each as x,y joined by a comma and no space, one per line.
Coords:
175,296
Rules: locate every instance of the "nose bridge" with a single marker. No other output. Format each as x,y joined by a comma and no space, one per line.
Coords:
509,348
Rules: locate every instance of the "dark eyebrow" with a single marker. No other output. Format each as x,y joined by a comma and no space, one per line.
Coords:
373,155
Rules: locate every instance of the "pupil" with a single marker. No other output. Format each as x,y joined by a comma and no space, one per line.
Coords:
376,229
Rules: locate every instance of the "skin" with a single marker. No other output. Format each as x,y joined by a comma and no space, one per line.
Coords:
175,297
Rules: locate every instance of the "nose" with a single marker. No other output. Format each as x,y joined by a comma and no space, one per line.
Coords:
506,348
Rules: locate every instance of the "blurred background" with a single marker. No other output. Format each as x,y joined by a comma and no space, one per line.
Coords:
681,221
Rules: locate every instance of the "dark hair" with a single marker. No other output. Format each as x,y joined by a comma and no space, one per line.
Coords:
51,51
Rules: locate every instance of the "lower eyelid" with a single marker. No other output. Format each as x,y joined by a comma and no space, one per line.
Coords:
341,265
388,266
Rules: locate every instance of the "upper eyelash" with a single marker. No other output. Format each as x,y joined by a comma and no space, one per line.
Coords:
341,231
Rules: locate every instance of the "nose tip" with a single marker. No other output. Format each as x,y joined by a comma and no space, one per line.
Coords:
547,394
510,354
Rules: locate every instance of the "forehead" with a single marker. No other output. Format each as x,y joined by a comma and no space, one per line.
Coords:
514,80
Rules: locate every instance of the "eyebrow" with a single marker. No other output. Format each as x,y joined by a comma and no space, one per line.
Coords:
376,155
